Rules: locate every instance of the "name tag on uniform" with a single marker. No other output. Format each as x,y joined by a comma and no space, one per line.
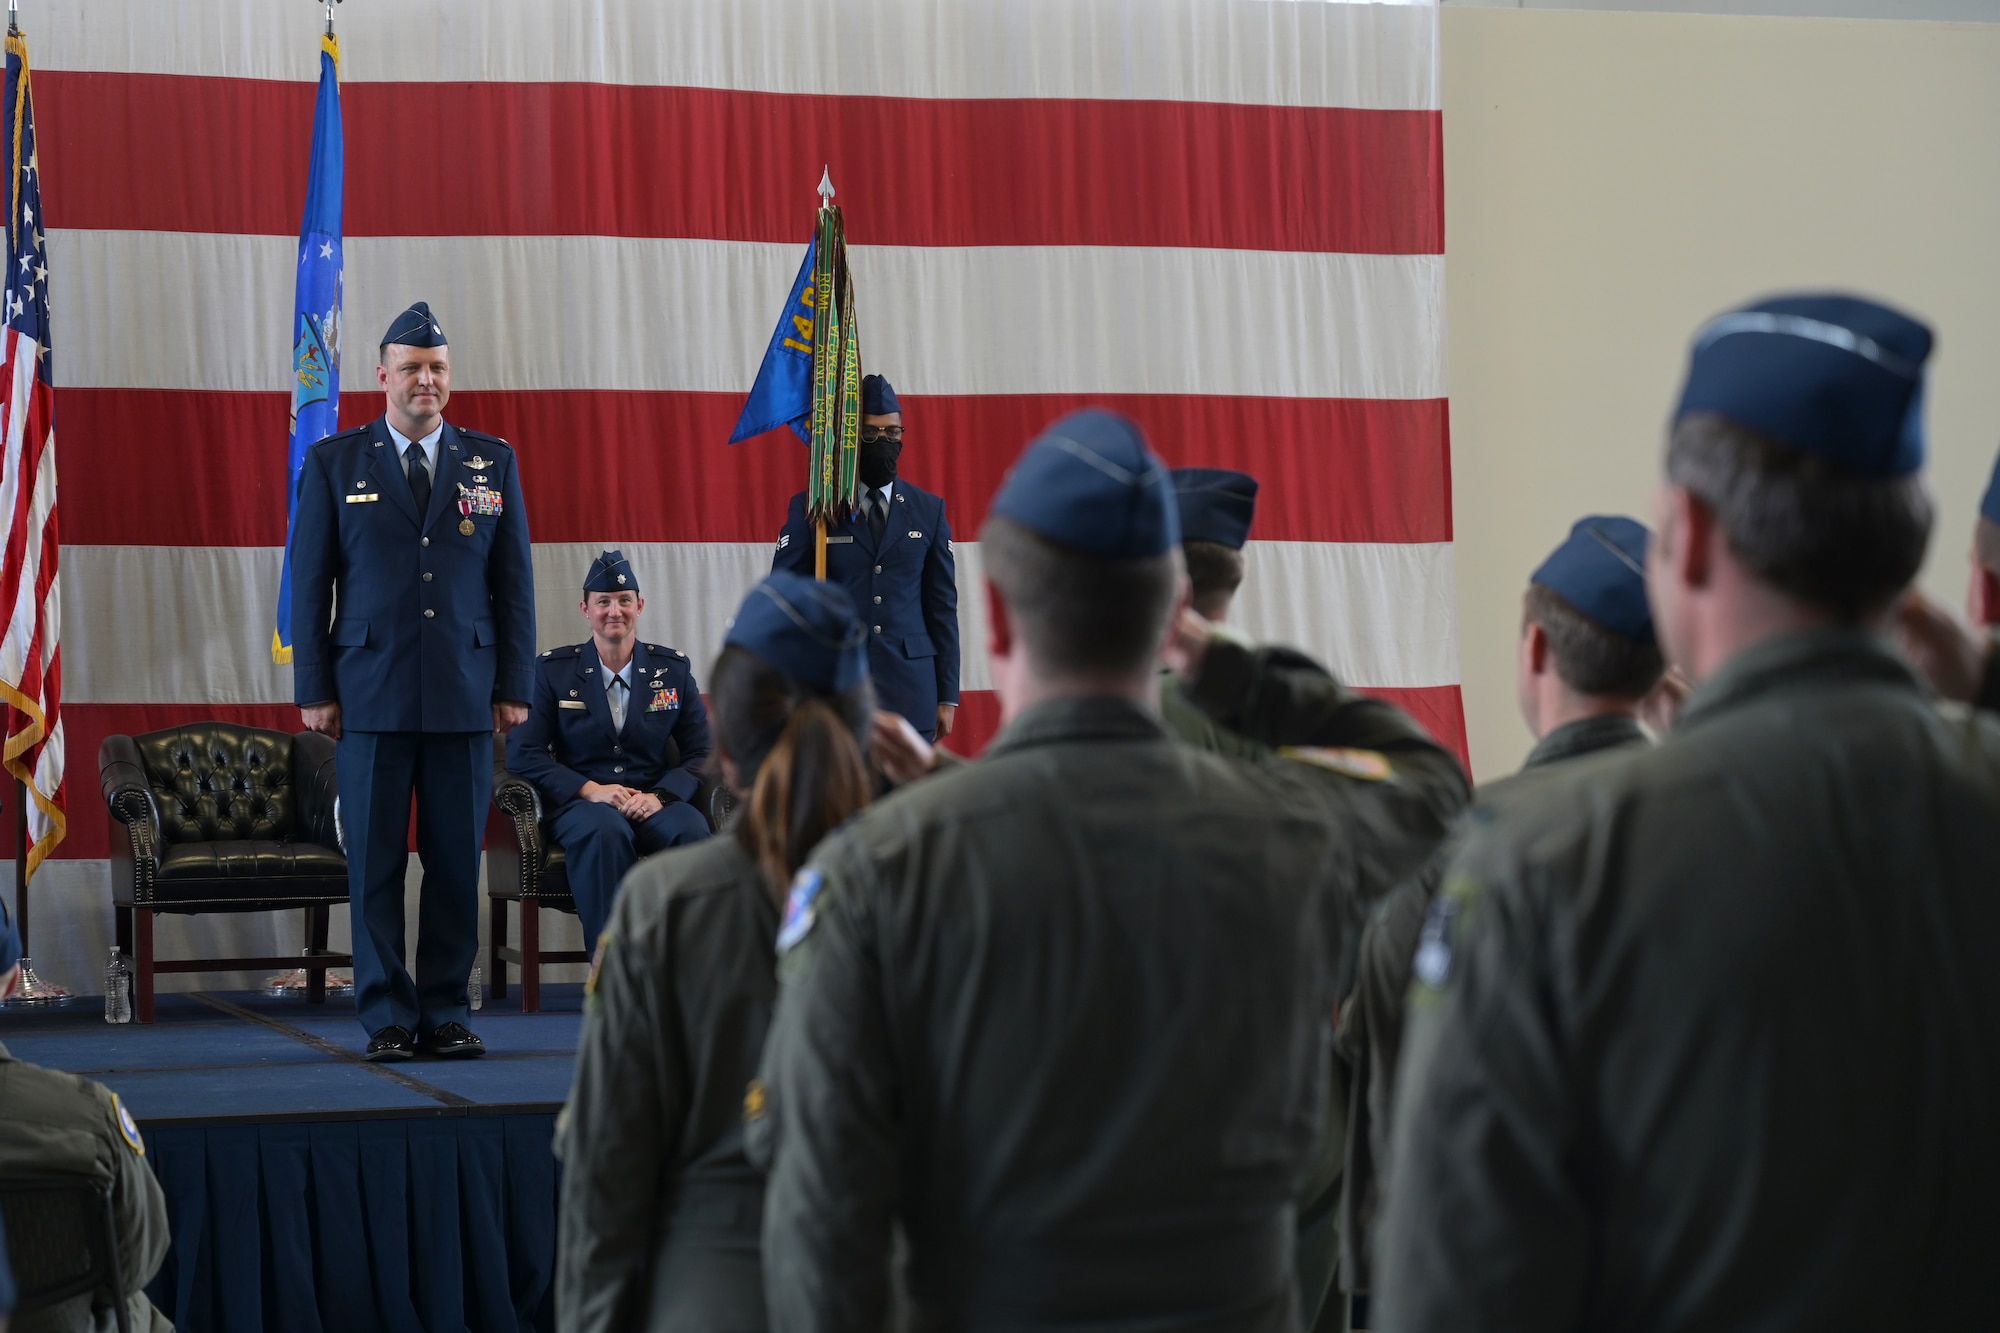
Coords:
916,534
836,541
571,703
363,499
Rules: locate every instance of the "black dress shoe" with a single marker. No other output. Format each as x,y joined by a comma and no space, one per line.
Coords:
391,1043
453,1039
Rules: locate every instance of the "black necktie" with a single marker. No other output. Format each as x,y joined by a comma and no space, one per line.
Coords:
878,515
420,477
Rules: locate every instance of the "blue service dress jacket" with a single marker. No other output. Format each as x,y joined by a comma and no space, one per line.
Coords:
906,593
411,622
569,739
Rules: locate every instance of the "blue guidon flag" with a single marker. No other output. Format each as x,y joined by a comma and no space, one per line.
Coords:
316,314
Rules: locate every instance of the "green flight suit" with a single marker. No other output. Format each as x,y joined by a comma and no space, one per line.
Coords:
1705,1037
661,1212
1370,1035
1066,1012
52,1123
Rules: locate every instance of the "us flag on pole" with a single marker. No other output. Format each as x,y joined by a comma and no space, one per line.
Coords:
31,651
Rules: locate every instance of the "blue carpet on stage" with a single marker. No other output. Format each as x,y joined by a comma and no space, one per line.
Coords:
312,1192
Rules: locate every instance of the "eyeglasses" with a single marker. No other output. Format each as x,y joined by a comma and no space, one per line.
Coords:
893,434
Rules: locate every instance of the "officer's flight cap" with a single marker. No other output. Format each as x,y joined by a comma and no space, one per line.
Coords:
611,573
806,629
415,327
878,396
1090,483
1216,505
1834,376
1600,569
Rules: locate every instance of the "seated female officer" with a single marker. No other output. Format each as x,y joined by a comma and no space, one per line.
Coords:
615,742
661,1212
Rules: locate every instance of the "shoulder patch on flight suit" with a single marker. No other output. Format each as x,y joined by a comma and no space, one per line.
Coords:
799,913
128,1127
1368,765
1437,946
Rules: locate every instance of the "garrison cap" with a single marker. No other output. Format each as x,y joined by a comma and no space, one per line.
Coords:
10,941
1216,505
1600,569
1089,482
806,629
415,327
878,396
610,573
1834,376
1989,505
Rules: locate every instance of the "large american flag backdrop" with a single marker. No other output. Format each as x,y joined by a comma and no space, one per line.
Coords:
1224,217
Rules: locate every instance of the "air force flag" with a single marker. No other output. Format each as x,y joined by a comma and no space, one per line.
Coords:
316,314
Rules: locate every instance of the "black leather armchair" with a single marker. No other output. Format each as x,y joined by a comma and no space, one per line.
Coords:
216,817
524,864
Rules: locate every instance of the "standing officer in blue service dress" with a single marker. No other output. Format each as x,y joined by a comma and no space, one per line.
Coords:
1064,1011
894,558
614,743
661,1208
1703,1035
412,533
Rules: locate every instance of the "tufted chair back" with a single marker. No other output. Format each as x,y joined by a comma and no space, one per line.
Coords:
217,782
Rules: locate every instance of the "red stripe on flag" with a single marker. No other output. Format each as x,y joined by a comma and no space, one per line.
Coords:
630,467
520,159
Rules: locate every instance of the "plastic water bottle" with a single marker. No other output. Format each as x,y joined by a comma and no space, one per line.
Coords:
117,989
474,992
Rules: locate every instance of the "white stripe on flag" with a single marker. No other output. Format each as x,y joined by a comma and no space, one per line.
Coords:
1378,56
597,312
1377,614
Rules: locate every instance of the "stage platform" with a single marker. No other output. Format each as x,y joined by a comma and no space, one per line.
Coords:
309,1189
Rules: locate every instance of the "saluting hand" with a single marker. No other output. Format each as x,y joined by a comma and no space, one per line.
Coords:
1187,645
1945,653
508,715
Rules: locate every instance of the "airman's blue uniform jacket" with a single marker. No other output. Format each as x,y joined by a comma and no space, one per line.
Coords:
906,593
435,624
568,739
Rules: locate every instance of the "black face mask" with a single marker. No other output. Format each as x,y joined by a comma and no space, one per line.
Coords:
877,465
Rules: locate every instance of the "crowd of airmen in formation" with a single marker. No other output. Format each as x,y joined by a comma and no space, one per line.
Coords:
1211,997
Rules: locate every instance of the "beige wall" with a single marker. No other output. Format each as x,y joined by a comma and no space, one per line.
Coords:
1613,179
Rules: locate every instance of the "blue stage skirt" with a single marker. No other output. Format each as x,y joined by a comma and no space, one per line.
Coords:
431,1224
